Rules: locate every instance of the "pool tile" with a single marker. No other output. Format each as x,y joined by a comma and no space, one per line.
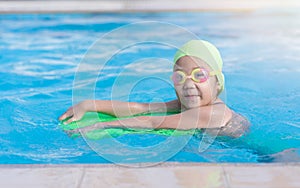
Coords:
39,177
272,176
157,176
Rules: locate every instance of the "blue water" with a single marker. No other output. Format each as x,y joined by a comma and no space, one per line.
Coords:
40,54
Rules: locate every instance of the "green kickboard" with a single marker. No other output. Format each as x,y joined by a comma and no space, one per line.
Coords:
91,118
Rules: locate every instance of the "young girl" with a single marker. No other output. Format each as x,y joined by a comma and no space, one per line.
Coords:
198,81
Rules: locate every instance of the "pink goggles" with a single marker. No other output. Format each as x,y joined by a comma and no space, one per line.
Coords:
198,75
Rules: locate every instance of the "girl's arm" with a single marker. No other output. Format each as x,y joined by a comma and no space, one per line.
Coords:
213,116
116,108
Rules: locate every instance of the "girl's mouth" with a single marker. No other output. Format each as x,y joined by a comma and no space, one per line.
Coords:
191,97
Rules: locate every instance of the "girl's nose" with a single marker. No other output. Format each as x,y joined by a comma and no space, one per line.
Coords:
189,84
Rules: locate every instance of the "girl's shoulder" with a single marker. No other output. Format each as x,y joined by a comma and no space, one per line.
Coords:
236,127
236,124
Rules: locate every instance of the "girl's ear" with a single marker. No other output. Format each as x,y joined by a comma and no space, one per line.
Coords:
219,88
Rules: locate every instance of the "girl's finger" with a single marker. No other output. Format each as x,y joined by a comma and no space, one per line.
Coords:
67,114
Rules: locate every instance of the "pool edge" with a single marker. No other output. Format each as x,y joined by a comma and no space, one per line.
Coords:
170,174
76,6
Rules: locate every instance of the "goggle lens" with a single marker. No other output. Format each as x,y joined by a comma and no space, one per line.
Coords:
197,75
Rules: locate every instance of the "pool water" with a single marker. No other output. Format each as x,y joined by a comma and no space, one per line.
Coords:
40,54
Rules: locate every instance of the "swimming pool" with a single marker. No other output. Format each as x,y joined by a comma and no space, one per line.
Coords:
40,54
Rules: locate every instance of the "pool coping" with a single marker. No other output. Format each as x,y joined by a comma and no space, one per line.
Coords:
75,6
168,174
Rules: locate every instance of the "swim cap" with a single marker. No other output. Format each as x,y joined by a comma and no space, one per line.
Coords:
205,51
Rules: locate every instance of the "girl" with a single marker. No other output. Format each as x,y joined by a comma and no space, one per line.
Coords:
198,81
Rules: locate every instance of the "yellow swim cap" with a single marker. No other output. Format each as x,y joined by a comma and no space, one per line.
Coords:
205,51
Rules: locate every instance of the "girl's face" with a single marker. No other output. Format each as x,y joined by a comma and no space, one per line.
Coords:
190,93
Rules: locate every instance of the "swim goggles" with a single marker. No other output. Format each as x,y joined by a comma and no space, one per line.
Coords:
198,75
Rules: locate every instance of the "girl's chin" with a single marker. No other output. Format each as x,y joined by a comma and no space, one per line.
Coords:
189,105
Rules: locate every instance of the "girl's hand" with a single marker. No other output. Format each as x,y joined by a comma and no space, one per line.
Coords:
93,127
75,113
